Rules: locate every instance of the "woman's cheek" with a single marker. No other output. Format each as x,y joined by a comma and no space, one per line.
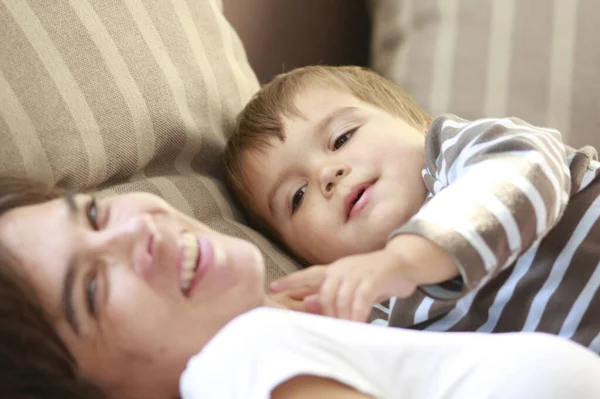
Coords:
242,254
129,297
246,260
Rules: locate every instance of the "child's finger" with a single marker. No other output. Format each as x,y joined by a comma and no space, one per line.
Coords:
302,292
312,277
360,310
363,300
290,303
343,303
312,304
328,295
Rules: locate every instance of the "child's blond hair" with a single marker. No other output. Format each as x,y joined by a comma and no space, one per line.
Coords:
261,120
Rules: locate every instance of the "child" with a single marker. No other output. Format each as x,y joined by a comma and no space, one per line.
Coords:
490,225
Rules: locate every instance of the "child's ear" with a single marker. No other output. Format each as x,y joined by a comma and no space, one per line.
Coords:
426,126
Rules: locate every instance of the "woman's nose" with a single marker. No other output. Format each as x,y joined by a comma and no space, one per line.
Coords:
121,238
330,176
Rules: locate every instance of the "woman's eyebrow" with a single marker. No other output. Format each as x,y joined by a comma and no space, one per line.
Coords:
71,203
67,297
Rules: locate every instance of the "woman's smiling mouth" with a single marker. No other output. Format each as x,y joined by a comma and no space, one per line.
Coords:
197,255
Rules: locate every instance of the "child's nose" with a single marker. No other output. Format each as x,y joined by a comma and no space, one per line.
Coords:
330,176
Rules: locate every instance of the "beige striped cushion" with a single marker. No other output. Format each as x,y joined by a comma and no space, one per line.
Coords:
126,95
536,59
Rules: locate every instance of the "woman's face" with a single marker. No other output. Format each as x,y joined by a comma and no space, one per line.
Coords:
135,288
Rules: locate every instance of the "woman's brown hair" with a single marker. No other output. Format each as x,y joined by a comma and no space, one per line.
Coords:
34,361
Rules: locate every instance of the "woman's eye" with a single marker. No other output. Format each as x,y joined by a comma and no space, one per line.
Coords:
92,214
90,293
297,199
342,140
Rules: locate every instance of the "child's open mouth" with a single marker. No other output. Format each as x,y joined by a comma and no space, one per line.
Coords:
360,193
357,199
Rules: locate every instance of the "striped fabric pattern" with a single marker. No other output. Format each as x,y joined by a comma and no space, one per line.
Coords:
533,59
126,95
520,213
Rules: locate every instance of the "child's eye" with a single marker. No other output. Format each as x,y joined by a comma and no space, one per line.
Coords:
91,213
297,199
343,139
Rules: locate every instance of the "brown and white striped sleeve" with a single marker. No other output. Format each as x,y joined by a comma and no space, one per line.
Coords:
497,187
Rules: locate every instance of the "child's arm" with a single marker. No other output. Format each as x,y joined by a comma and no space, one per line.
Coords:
348,287
499,186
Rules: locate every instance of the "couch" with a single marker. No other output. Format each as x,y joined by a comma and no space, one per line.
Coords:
122,95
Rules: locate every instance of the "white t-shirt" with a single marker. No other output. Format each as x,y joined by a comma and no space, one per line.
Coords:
259,350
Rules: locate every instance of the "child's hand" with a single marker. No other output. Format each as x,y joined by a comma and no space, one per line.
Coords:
349,287
294,299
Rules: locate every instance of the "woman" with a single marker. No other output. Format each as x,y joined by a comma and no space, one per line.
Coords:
34,361
152,304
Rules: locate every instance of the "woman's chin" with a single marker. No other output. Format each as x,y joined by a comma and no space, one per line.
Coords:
237,267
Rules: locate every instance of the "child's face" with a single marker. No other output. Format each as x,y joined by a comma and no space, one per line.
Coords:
347,175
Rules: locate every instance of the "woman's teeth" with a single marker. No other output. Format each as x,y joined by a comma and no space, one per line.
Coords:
190,259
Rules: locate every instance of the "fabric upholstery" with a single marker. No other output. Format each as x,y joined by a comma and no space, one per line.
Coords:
126,95
534,59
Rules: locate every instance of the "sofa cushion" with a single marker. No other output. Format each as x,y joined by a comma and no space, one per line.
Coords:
126,95
529,58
